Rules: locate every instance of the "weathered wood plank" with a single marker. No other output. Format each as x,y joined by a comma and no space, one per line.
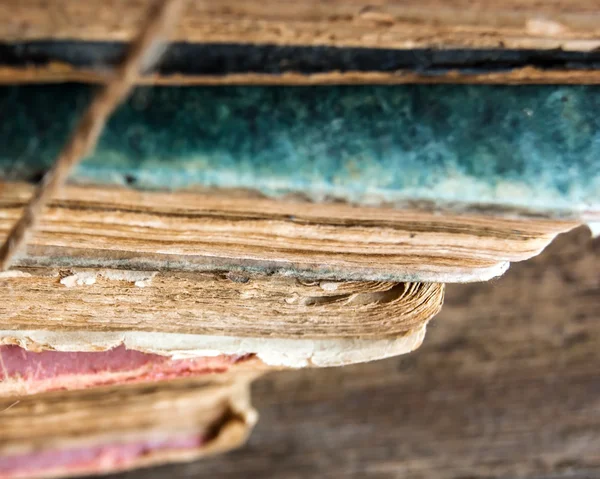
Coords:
506,385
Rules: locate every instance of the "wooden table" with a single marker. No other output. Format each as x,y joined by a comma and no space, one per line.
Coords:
506,385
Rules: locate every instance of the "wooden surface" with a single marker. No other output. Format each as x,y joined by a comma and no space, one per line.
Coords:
506,385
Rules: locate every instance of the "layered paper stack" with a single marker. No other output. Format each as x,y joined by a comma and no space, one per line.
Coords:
112,429
220,231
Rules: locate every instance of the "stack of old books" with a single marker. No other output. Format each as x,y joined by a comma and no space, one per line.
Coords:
251,210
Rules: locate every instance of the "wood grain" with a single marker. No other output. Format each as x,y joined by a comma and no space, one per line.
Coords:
506,385
229,230
566,24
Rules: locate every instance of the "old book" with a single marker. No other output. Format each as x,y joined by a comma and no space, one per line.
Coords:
234,228
404,183
115,429
224,231
84,328
308,41
372,196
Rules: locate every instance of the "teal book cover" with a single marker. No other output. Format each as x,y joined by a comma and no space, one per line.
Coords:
526,148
